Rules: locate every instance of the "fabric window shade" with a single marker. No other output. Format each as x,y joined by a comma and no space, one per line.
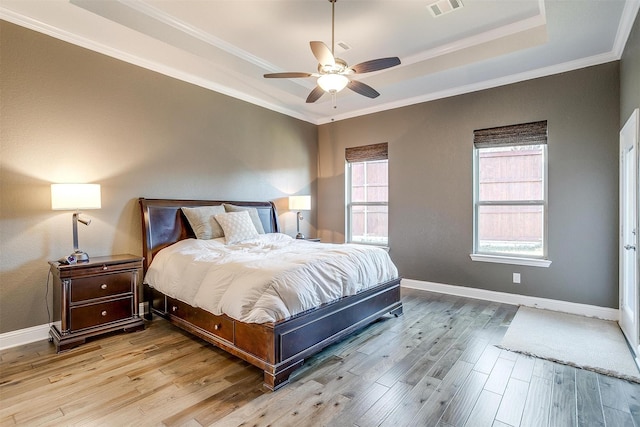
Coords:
367,153
523,134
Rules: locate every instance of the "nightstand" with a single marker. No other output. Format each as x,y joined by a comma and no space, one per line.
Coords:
309,239
93,298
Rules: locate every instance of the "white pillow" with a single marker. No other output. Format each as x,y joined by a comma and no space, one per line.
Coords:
253,214
203,222
237,226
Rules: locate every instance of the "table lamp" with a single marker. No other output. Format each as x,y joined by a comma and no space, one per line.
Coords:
76,197
299,203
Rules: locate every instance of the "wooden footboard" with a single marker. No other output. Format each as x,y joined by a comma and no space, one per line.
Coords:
280,348
276,348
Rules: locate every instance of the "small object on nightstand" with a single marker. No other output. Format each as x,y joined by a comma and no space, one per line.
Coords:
94,298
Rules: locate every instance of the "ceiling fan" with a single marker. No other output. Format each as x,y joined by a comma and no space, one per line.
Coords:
333,73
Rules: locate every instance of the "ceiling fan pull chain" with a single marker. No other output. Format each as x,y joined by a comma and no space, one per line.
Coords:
334,99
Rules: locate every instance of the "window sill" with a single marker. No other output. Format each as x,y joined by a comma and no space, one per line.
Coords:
530,262
385,247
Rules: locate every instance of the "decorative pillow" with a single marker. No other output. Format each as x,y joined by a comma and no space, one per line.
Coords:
253,214
203,222
237,226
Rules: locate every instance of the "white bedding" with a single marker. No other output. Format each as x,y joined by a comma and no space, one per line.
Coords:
267,279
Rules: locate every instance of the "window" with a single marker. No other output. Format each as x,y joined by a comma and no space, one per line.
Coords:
367,194
510,194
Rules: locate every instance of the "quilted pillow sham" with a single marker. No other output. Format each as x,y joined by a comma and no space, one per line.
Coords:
237,226
253,214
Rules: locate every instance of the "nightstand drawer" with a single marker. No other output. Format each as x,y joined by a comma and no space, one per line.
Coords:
100,286
97,314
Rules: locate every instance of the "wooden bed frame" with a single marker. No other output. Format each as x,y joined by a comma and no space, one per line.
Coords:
276,348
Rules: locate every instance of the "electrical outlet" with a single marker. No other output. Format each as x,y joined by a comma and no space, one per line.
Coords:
516,277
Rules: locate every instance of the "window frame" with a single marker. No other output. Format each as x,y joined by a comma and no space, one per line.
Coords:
349,203
502,257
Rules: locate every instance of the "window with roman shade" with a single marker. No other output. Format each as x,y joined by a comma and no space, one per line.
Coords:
510,194
367,194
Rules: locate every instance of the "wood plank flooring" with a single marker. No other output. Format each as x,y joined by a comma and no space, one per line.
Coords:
437,365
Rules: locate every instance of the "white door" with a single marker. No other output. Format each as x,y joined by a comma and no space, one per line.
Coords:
629,261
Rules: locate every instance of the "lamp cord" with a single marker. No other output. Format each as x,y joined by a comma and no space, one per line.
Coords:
46,298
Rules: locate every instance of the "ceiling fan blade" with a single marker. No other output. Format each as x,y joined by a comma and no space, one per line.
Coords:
286,75
322,53
376,64
315,94
363,89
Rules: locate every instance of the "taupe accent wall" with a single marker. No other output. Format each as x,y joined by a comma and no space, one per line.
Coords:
69,114
630,74
72,115
430,183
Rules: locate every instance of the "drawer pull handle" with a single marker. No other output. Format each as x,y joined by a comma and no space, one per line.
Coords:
217,327
174,308
103,286
104,267
104,312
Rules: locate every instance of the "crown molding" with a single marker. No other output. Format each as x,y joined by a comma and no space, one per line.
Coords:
33,24
478,39
629,13
475,87
165,18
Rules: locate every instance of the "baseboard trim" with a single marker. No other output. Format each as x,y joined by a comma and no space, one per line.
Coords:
516,299
41,332
24,336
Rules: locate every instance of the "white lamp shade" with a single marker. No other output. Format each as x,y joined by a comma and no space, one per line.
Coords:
332,82
75,196
300,203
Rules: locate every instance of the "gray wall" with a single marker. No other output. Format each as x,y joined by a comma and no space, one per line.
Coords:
430,179
68,114
630,74
72,115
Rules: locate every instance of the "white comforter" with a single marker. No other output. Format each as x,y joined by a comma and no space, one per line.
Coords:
266,279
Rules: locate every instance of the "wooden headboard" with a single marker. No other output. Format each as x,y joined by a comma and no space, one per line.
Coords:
163,222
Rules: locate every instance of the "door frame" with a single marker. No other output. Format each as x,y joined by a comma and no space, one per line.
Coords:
632,125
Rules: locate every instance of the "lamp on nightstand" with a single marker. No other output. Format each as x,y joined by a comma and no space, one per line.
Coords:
76,197
299,203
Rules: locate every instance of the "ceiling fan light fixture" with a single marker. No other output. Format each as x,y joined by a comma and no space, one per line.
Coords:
334,74
332,83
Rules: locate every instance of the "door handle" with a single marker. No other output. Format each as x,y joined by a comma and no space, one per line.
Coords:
630,247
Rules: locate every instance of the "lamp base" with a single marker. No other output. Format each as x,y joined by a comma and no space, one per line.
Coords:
299,236
81,256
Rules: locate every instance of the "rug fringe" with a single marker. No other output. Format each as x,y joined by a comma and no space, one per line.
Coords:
606,372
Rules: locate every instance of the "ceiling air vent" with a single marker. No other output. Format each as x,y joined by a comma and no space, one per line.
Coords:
442,7
342,46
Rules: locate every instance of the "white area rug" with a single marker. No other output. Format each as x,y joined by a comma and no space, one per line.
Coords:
584,342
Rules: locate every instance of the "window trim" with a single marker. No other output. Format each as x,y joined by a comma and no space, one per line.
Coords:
507,258
500,259
350,204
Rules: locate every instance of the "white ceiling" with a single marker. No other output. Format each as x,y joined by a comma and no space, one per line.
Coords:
227,45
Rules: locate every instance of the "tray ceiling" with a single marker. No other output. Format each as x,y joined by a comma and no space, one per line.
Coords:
227,46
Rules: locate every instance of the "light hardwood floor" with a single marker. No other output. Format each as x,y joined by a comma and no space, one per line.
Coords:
434,366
